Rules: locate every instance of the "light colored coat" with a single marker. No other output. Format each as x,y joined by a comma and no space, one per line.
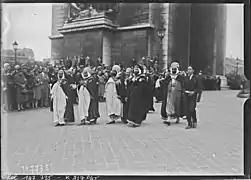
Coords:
59,103
113,104
84,102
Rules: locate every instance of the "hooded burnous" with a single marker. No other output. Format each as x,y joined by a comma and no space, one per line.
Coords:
172,86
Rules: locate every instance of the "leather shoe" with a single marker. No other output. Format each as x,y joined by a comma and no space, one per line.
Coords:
188,127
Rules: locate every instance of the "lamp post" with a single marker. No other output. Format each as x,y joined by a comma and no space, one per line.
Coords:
161,33
237,66
15,47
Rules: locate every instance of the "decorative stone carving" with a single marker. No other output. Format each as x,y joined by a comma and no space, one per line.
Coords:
83,10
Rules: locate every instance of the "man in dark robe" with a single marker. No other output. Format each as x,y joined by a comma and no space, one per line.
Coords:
151,86
70,88
128,82
93,86
121,92
191,88
137,98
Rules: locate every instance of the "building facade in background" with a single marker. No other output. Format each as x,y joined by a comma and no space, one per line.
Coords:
195,34
23,56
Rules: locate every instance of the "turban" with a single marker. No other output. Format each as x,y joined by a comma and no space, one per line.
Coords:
128,70
116,68
6,65
175,65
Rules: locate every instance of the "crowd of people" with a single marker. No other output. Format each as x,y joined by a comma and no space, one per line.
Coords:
74,92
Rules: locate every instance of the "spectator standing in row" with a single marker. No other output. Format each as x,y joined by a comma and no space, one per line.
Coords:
200,79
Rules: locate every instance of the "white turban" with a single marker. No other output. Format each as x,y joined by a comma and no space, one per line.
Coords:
6,65
116,68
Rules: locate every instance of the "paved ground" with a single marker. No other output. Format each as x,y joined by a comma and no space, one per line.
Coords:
31,144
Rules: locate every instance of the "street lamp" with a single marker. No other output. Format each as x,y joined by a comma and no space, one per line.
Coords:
161,33
237,66
15,47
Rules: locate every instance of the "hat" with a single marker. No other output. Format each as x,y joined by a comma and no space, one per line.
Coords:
140,68
116,68
128,70
6,65
17,67
86,75
175,65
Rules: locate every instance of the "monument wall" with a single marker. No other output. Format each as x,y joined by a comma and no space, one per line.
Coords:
195,35
129,44
86,43
179,48
59,16
133,14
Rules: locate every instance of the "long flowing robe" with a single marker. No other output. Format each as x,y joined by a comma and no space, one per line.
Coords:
150,84
171,104
59,103
113,104
83,102
137,101
121,92
92,87
128,83
101,89
71,93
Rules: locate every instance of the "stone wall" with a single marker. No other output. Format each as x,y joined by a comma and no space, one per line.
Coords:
59,16
156,20
132,14
129,44
87,43
57,46
179,34
220,38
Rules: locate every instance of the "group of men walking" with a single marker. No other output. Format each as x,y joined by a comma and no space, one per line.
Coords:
129,95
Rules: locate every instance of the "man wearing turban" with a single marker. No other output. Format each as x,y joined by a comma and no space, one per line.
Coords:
59,97
137,101
173,87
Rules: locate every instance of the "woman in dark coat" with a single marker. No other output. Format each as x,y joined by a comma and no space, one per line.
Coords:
137,100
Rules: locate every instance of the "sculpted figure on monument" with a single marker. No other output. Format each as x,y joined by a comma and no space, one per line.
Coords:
83,10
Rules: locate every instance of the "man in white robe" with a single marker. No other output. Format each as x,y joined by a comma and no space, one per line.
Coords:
113,105
84,97
59,101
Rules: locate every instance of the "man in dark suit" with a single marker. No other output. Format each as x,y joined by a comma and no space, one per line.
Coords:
191,91
200,79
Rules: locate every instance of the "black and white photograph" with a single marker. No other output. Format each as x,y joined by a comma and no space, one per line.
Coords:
122,89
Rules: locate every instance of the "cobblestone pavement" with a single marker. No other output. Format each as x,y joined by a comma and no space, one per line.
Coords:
31,144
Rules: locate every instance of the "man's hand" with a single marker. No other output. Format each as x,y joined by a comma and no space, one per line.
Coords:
73,86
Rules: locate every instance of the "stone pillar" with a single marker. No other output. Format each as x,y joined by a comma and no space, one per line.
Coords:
106,48
165,17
